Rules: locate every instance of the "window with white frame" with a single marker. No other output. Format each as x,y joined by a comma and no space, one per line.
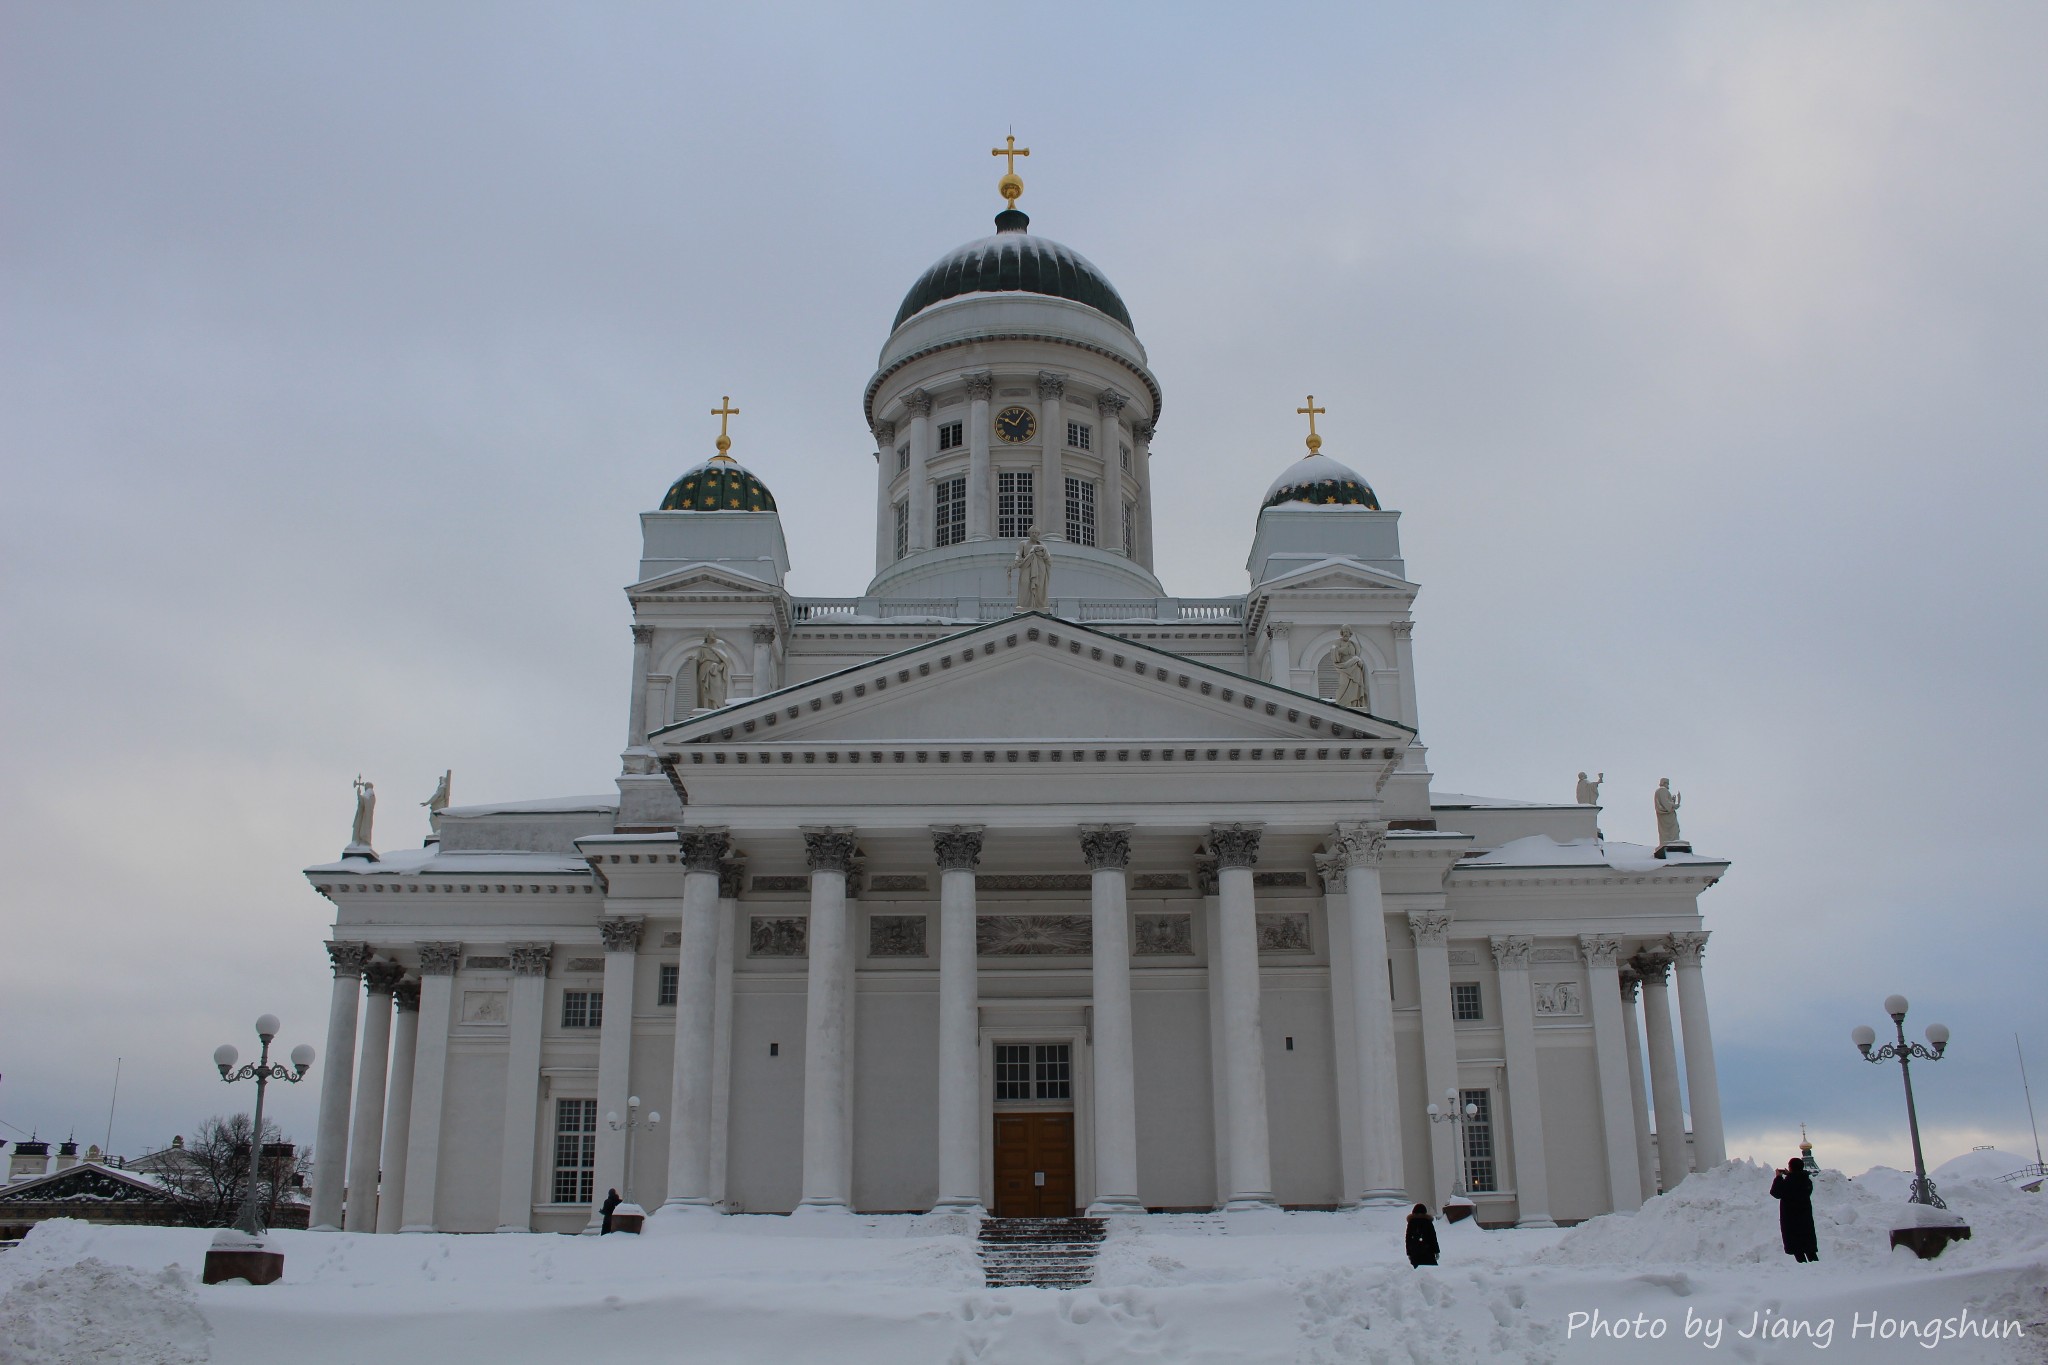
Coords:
903,457
1034,1071
1080,436
902,528
1081,511
665,987
582,1009
575,1150
1465,1002
1130,528
950,437
949,511
1479,1170
1015,508
1123,455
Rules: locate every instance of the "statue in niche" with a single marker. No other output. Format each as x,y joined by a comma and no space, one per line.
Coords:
1666,802
1349,662
1589,790
1032,568
366,812
713,675
438,802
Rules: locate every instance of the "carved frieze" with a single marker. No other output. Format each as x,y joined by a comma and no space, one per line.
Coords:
1034,881
1462,957
1033,935
778,936
1164,936
1284,931
1556,998
489,962
483,1007
776,883
1554,954
895,881
1280,879
1161,881
585,964
896,936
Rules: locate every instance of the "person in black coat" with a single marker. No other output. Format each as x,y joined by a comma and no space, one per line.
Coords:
1421,1239
1793,1189
610,1206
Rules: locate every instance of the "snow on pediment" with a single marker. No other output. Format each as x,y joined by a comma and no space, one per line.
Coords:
702,577
1337,574
1031,677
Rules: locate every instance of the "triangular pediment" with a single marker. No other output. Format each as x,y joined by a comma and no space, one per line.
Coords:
704,577
1032,678
1339,575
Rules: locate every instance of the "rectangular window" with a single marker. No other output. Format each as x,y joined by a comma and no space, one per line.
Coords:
1080,435
1130,528
949,436
575,1150
902,528
1055,1071
665,993
902,457
1479,1174
1034,1071
1123,455
1081,511
582,1009
1015,508
949,511
1465,1004
1013,1071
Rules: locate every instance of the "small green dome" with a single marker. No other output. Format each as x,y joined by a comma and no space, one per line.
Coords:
720,484
1320,481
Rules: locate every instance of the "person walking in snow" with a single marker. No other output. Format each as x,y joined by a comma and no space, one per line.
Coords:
1793,1189
1421,1239
609,1207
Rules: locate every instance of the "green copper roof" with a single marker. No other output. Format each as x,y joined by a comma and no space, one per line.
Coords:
719,485
1321,481
1013,261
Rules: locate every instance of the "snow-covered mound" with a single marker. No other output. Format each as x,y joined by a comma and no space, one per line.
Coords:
91,1311
1986,1163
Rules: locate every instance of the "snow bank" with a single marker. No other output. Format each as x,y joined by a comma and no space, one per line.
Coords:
90,1313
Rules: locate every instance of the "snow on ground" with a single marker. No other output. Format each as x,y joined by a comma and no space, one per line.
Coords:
1265,1287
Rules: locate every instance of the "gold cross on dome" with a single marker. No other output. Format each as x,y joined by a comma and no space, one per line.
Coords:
724,412
1012,151
1011,186
1315,442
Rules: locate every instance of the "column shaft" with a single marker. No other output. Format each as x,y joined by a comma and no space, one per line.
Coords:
1431,929
1108,851
730,876
398,1109
958,849
1279,661
373,1066
689,1137
1617,1126
525,1015
1702,1085
1052,432
1525,1096
1638,1095
827,1131
1244,1060
614,1062
980,525
636,707
764,660
429,1083
1141,465
1671,1161
337,1080
885,503
920,404
1379,1088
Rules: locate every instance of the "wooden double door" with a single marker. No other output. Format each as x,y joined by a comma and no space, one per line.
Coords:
1034,1165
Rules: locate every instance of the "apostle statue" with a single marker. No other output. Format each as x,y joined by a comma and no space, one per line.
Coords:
366,811
1589,791
1666,802
438,802
1032,568
1350,666
712,674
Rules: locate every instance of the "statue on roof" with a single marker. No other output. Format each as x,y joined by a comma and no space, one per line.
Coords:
713,676
1349,663
438,802
1589,789
1666,801
366,813
1032,568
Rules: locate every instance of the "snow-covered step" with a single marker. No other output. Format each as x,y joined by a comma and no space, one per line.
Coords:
1045,1253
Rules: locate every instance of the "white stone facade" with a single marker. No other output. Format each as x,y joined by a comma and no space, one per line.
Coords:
1110,877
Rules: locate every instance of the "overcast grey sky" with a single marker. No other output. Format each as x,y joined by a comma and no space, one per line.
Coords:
1701,347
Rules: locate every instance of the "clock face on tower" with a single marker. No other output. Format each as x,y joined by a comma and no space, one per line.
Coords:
1016,425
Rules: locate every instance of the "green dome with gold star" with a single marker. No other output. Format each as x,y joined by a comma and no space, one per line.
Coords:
720,484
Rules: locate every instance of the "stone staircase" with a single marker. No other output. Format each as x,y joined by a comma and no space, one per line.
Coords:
1043,1253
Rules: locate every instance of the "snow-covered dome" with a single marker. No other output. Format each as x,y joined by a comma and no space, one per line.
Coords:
720,484
1320,480
1014,261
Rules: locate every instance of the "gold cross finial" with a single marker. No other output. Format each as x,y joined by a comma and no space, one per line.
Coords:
1011,186
1315,442
724,412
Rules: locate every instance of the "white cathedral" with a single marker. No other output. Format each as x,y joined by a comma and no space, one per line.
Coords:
1013,884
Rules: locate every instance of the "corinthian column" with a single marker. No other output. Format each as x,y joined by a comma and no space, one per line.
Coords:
920,404
330,1154
1244,1062
1655,970
1108,851
359,1212
525,1014
1109,434
1525,1099
614,1057
1702,1085
885,506
1141,466
1617,1126
828,1143
1431,930
398,1108
1052,433
980,526
1638,1094
957,849
689,1136
636,705
1362,844
429,1083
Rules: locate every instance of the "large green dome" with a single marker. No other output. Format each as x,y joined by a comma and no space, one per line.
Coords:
720,484
1013,261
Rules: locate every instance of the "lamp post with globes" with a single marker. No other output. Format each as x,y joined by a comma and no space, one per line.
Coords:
628,1125
243,1254
1907,1053
1456,1117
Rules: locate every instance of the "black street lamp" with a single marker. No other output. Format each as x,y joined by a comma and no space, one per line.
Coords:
263,1072
1864,1037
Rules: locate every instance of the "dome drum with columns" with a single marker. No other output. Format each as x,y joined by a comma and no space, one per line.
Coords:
1011,855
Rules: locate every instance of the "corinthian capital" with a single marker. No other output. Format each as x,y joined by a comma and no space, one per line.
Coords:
1236,845
980,385
1631,984
349,959
1330,868
1511,952
531,959
1106,846
764,635
1051,384
1404,629
622,934
918,402
440,959
1430,927
1141,429
704,848
1652,966
732,878
1109,403
885,434
1363,843
407,996
829,849
382,978
956,848
1688,949
1600,950
643,635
